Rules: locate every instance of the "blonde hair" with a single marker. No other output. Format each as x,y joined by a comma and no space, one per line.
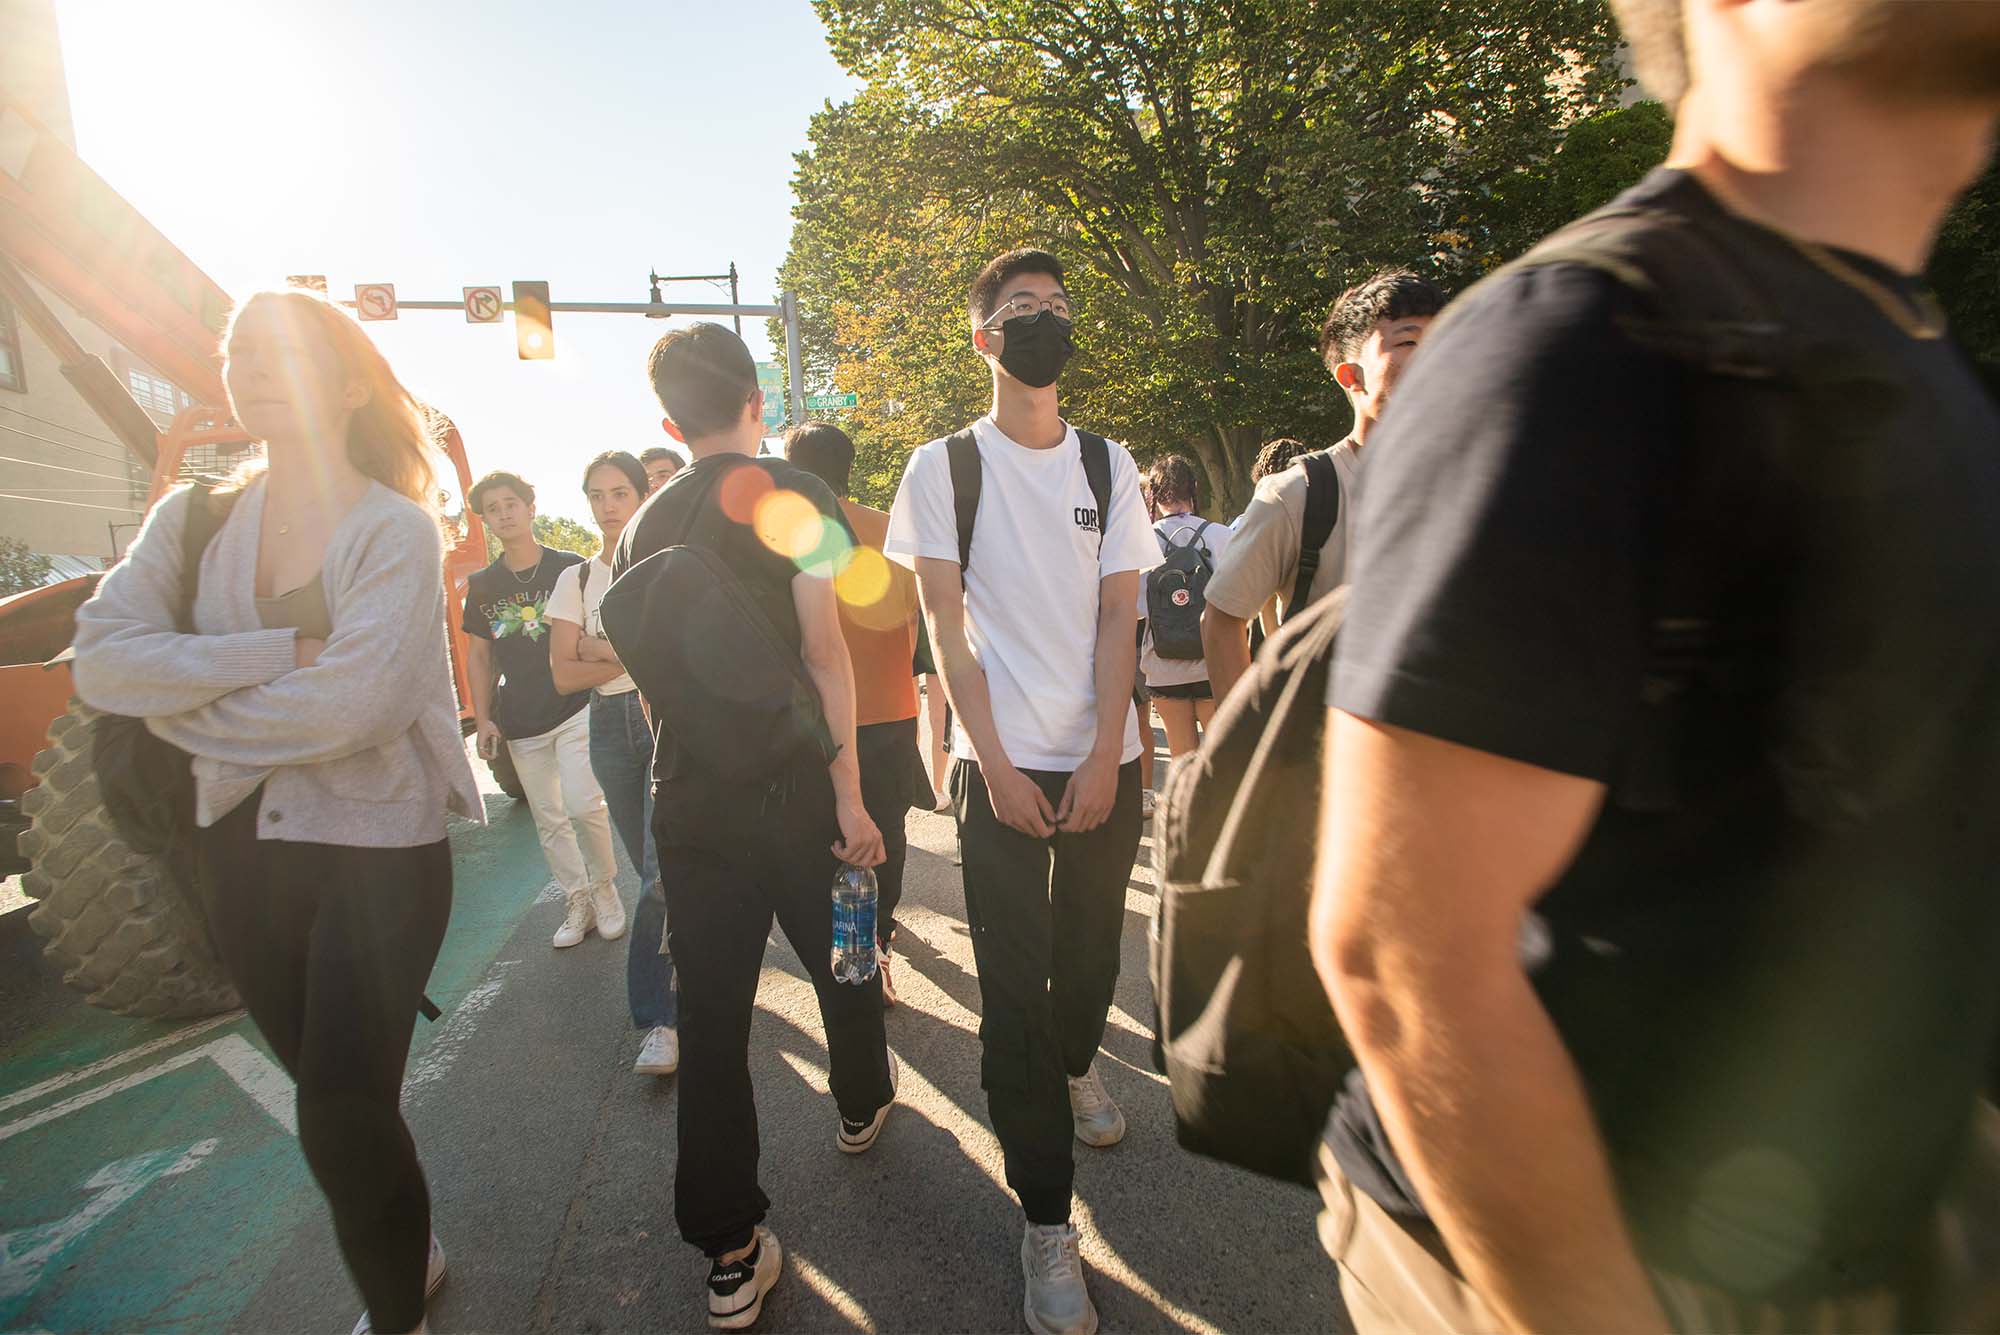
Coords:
390,437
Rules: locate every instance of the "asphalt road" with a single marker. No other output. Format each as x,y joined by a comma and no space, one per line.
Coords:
149,1180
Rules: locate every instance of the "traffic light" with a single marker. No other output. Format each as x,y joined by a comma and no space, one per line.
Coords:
534,338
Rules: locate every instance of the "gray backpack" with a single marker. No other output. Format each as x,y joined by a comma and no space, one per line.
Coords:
1176,593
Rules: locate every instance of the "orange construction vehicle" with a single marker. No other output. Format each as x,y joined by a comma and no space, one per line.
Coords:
110,916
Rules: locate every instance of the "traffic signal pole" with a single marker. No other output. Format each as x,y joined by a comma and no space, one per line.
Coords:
787,310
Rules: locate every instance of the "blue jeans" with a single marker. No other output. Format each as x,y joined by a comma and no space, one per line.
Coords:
621,755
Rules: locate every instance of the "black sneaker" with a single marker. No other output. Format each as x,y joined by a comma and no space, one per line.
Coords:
736,1291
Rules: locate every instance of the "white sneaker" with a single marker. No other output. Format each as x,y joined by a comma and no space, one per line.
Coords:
1055,1301
610,910
660,1054
858,1137
1147,801
736,1291
888,987
577,920
433,1281
1099,1123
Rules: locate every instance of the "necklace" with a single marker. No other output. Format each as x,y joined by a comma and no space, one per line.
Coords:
1926,322
533,571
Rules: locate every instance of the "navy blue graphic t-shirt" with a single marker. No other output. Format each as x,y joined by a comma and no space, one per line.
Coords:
510,608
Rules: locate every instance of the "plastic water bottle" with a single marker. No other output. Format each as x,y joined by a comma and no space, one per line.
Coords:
854,895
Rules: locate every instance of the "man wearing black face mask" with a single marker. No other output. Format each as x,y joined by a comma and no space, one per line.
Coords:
1028,539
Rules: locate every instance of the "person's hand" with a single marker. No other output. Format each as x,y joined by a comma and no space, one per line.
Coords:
1086,801
596,649
1019,803
860,843
306,650
489,739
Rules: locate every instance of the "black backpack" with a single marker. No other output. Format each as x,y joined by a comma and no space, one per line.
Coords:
715,671
962,450
1176,593
1247,1038
147,783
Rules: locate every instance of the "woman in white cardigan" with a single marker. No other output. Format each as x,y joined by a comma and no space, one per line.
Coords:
316,700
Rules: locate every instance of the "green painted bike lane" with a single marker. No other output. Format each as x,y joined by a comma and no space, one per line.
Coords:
149,1175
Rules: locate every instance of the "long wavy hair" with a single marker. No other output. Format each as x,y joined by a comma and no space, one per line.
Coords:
390,437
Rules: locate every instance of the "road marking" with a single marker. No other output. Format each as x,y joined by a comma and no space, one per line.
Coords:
257,1075
843,1302
444,1051
552,893
26,1253
97,1068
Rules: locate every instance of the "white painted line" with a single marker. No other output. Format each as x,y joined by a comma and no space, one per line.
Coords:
444,1051
26,1253
97,1068
258,1075
843,1302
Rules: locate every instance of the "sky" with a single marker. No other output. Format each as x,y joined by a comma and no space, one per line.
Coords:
436,144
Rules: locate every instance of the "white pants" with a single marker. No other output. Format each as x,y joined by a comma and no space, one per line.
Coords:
570,815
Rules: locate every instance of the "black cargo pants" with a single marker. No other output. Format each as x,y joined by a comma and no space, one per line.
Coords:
1046,916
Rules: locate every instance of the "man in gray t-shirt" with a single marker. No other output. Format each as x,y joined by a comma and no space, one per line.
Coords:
1366,341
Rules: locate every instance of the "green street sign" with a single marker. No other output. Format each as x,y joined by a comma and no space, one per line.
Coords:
822,402
771,379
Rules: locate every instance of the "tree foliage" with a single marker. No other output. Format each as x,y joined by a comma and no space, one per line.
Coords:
1965,269
1215,172
558,531
21,569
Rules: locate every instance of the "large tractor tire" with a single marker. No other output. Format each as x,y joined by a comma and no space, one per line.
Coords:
112,921
504,773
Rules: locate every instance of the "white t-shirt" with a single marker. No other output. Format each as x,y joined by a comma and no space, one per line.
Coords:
1031,590
566,604
1180,671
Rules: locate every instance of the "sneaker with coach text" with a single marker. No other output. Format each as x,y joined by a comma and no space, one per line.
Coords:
1055,1302
858,1137
660,1054
736,1290
433,1281
1099,1123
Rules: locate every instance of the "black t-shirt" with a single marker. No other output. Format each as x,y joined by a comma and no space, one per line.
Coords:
511,610
1781,992
738,508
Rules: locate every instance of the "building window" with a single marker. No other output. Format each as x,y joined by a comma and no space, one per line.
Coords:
12,374
153,393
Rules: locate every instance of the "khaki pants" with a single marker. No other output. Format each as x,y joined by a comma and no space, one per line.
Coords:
1392,1282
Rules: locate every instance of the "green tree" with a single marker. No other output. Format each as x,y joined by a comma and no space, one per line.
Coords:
1215,171
557,531
1965,270
21,569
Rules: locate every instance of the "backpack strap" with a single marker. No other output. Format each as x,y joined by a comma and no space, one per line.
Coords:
962,450
583,586
1322,513
1096,452
208,510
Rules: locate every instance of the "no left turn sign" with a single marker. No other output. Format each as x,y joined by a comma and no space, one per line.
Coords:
375,301
483,305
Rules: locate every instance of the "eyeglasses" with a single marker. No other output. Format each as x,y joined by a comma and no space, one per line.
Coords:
1026,308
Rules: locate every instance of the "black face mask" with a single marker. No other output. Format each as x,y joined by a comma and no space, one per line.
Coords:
1036,348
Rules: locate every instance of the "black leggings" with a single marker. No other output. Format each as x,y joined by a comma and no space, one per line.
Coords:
330,948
